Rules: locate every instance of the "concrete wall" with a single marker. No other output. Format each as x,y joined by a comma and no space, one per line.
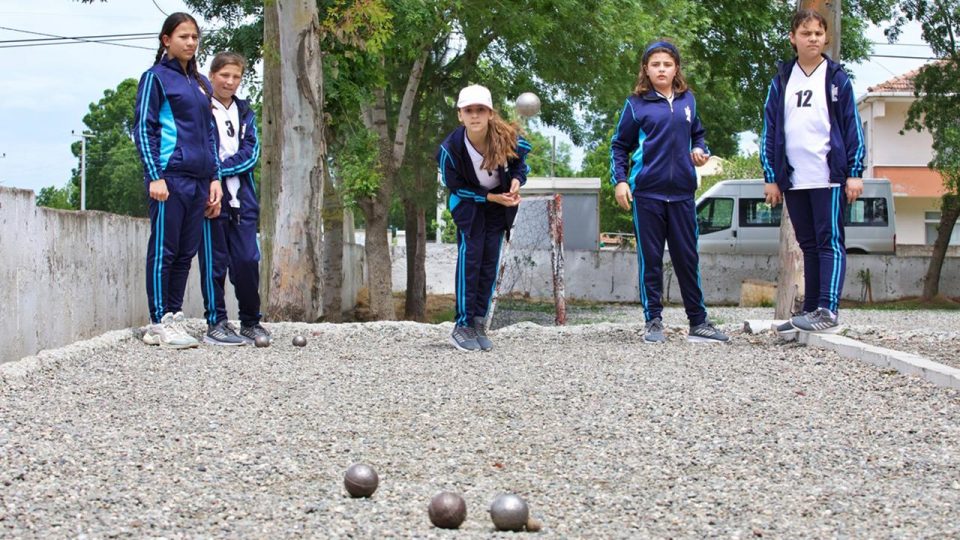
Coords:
612,275
66,276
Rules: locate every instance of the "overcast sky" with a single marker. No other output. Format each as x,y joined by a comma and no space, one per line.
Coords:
45,91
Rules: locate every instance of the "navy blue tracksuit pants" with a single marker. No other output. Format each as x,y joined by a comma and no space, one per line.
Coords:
230,243
656,221
174,239
478,260
817,217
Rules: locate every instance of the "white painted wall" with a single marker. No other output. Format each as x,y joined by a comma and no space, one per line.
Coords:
886,146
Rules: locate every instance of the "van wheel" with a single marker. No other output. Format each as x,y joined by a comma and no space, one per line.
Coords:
856,251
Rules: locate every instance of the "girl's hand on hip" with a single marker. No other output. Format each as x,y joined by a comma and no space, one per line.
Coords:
158,190
216,192
623,195
699,158
771,192
854,189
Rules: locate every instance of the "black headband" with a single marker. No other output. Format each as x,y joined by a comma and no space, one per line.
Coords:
661,45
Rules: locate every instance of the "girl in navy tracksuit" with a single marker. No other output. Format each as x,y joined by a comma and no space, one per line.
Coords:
658,140
175,135
482,165
812,153
230,233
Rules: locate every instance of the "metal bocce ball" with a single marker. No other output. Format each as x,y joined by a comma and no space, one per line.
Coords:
299,341
528,104
360,480
262,341
509,513
447,510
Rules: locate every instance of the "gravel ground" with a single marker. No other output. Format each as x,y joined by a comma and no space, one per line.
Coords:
604,436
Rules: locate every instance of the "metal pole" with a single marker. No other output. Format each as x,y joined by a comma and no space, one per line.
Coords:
553,155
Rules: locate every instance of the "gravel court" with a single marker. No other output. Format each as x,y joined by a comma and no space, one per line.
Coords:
604,436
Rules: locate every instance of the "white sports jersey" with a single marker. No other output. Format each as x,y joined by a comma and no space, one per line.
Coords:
807,127
488,179
228,124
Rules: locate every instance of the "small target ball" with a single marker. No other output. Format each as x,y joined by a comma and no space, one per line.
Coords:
262,341
509,513
360,480
299,341
534,524
447,510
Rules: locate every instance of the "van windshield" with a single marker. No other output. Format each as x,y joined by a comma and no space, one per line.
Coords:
714,214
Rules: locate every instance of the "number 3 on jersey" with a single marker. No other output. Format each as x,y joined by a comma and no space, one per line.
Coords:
803,98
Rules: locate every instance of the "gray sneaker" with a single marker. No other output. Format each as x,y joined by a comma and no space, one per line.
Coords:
223,333
706,333
787,329
480,328
464,338
821,321
249,333
169,333
653,331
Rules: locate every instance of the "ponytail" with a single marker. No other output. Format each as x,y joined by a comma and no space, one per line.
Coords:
501,142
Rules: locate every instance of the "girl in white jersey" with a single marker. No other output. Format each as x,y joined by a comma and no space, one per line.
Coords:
812,154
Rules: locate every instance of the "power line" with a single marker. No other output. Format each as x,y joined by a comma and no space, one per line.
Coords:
165,14
103,36
76,39
899,44
70,42
903,57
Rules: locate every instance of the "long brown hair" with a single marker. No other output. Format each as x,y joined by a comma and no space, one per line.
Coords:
643,81
501,142
169,25
804,15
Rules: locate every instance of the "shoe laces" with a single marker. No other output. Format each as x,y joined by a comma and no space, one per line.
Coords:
465,332
656,325
479,328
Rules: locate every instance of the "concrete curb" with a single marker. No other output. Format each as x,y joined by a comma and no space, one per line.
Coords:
906,363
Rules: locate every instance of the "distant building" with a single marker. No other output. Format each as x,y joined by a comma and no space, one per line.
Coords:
903,159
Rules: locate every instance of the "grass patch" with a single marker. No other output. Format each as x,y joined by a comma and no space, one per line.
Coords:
912,303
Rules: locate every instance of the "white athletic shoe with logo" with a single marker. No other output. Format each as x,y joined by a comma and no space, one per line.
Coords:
170,333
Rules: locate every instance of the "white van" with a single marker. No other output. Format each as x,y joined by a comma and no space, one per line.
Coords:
734,217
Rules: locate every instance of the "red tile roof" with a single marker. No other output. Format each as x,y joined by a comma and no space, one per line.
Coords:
900,83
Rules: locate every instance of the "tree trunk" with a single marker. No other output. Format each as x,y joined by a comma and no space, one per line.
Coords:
790,279
415,308
293,88
949,212
379,270
332,251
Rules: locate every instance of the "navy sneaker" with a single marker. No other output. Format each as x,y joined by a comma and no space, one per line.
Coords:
706,333
480,328
821,321
653,331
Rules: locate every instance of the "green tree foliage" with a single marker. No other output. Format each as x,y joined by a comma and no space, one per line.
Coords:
52,197
114,174
937,110
596,163
539,159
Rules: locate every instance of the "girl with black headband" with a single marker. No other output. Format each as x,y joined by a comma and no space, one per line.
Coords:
658,142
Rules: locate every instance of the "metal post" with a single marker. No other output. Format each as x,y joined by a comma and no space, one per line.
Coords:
553,155
83,166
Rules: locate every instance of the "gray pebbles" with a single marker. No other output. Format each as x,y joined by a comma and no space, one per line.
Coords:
603,436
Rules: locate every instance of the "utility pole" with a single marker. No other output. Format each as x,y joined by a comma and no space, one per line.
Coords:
790,280
83,165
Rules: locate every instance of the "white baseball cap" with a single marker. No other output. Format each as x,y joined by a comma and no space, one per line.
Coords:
475,95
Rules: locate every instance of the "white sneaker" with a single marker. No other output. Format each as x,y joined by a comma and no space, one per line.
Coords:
170,333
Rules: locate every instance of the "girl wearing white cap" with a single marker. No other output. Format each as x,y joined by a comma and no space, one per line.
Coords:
482,165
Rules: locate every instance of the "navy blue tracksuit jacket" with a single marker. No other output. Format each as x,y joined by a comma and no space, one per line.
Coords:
817,214
650,151
481,225
230,240
176,138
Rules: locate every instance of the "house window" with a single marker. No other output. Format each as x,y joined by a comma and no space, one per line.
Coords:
931,221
